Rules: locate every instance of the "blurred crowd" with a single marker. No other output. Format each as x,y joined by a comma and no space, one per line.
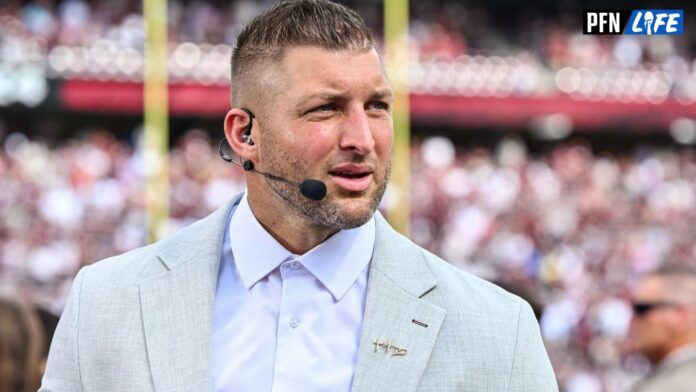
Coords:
455,47
68,206
439,29
573,228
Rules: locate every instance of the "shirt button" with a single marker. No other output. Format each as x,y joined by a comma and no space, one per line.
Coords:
295,265
294,322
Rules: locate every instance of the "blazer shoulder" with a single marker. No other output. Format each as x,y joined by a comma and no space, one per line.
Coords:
122,273
470,290
146,261
124,269
447,286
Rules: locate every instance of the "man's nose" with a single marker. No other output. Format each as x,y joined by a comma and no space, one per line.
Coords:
356,134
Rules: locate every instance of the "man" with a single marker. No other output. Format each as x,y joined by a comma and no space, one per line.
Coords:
277,291
664,329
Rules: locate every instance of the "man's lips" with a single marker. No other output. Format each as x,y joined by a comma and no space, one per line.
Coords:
352,177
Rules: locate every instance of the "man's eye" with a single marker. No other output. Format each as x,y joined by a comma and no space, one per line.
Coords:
378,105
325,108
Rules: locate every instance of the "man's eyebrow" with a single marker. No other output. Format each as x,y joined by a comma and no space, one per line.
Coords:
322,95
326,95
383,94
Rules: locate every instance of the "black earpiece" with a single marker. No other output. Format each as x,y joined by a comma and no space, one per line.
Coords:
246,137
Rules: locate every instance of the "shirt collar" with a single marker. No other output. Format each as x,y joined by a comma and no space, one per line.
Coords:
336,263
256,253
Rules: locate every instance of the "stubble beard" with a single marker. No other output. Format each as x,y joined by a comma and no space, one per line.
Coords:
326,213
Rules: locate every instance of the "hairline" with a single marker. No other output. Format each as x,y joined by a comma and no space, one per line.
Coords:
273,60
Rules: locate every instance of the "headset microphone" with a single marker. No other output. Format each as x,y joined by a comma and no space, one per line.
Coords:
311,189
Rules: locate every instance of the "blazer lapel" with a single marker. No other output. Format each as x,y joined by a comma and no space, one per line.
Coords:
177,305
396,317
177,308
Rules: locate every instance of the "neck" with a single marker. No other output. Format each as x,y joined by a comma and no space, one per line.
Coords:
678,344
289,227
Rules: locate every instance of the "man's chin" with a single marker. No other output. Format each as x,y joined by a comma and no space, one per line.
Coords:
364,204
345,214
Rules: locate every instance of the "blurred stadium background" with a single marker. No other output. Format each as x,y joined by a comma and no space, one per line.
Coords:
559,164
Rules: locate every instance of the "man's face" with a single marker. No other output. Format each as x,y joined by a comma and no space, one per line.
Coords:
653,332
330,120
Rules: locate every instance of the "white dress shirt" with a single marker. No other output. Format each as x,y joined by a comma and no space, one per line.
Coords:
285,322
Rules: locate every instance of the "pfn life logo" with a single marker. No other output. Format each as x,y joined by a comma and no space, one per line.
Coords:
635,22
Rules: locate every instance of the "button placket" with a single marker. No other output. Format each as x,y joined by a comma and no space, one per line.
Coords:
294,322
290,324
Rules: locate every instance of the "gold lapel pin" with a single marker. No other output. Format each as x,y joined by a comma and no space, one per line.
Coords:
389,347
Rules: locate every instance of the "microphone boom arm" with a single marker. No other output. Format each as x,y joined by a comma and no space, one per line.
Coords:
311,189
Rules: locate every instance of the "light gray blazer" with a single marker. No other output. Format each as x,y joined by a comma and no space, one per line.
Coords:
141,321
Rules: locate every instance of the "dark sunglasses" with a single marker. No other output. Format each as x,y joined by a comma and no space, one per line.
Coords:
642,308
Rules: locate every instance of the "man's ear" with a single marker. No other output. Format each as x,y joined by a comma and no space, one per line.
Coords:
237,122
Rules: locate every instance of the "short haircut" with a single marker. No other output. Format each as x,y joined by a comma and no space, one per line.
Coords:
680,282
290,23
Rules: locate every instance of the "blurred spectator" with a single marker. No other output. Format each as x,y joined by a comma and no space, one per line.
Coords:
21,348
664,329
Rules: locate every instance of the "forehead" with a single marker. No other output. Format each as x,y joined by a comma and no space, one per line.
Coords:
650,288
306,69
